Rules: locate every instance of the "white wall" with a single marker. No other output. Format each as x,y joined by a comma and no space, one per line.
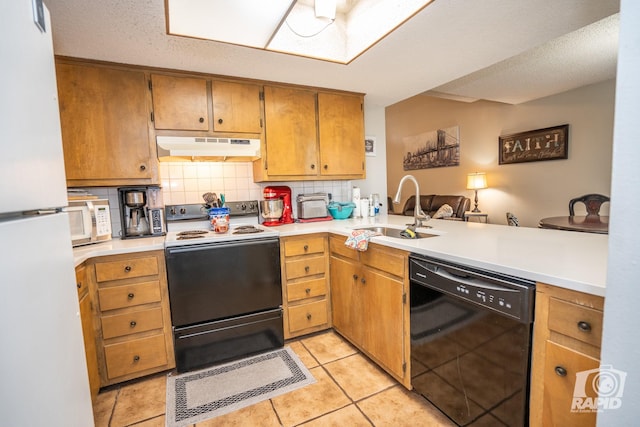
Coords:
376,168
620,346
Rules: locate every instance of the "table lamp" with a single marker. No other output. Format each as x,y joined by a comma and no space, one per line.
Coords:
476,181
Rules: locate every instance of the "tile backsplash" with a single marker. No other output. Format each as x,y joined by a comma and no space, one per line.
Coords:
186,182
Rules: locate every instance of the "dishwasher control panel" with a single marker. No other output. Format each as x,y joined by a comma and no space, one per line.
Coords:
504,294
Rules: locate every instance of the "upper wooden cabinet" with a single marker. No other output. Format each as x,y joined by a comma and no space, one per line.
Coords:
183,103
236,107
291,148
179,102
311,135
104,115
341,134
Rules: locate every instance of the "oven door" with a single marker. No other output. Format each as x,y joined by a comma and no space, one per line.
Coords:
215,281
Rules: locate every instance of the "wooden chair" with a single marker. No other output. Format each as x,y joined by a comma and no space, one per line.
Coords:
512,220
591,201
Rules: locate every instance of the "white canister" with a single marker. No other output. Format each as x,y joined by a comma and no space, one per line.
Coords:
364,207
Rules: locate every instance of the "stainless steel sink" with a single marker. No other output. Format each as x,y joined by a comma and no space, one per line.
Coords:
395,232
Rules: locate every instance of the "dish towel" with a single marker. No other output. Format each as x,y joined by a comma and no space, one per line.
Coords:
359,239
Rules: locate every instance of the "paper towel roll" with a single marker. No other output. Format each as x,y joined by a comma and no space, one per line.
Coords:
356,200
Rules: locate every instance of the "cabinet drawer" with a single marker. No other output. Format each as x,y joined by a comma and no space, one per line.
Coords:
131,323
561,366
306,289
129,295
135,355
307,315
311,245
577,321
336,244
386,260
307,266
125,269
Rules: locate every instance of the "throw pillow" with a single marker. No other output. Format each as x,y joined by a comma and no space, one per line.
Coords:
445,211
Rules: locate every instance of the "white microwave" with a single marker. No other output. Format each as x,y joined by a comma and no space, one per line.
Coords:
90,221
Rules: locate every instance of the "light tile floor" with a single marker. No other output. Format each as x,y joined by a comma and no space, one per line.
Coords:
350,390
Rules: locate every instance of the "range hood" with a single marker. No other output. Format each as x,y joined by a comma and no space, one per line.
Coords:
203,149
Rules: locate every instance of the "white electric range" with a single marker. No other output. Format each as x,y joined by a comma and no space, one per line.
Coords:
189,224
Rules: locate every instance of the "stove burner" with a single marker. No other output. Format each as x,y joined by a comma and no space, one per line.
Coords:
190,236
247,229
196,233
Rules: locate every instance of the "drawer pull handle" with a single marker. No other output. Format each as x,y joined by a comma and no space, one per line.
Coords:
306,248
560,371
201,119
130,296
143,168
584,326
127,268
79,285
136,358
308,316
308,291
306,269
133,323
355,277
363,280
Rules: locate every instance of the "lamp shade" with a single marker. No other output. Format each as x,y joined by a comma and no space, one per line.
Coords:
476,181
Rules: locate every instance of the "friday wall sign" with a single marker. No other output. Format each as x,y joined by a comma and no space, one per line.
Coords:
535,145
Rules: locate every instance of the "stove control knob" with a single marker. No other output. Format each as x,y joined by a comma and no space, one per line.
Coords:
243,207
183,211
172,211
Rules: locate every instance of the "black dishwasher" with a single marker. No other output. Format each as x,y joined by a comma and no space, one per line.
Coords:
471,341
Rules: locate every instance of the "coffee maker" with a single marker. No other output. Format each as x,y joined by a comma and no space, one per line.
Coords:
276,207
141,212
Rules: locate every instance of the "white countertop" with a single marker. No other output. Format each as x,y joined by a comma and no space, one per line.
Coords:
568,259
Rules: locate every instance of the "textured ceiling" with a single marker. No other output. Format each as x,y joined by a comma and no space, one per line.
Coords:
504,50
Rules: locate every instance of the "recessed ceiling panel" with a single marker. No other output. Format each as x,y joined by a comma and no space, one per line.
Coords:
243,22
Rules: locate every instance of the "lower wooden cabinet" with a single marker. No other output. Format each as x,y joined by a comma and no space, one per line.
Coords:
305,287
88,334
566,353
369,303
132,317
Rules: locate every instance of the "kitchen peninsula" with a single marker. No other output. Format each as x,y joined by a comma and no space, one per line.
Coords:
569,268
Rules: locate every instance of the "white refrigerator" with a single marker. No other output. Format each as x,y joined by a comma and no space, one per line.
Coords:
43,372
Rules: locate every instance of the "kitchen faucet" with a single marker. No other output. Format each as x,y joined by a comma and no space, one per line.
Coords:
418,213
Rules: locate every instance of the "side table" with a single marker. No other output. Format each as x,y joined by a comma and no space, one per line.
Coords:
479,215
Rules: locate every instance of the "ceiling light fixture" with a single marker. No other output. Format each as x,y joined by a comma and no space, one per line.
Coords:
326,9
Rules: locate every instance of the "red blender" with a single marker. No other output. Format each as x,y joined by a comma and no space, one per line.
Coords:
276,206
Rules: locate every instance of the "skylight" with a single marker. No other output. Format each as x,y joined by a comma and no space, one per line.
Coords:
294,27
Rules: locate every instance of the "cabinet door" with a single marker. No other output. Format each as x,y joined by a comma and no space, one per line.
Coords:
290,121
381,308
179,102
561,366
236,107
105,128
341,132
89,345
345,277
